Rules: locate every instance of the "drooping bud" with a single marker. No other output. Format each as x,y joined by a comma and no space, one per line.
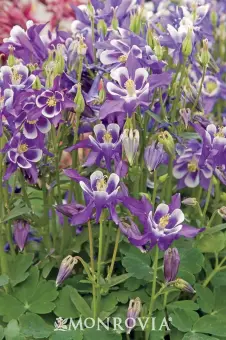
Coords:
79,100
90,9
187,43
171,264
133,312
191,201
183,285
21,231
167,141
130,141
205,55
186,116
153,155
66,268
222,212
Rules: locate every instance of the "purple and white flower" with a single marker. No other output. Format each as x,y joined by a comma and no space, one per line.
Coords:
154,155
50,103
17,77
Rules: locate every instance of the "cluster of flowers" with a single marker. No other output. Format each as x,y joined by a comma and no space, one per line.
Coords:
142,85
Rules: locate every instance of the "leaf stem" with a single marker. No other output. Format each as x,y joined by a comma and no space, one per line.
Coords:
118,234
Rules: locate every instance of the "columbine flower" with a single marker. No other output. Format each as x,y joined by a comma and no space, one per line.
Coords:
192,169
117,53
100,192
171,264
132,89
153,156
130,141
106,145
163,226
32,121
66,268
17,76
21,231
50,102
22,153
133,312
213,89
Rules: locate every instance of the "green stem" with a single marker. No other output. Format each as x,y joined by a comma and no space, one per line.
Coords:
57,160
24,190
207,199
93,269
170,180
200,89
176,102
211,219
118,234
155,270
155,188
101,234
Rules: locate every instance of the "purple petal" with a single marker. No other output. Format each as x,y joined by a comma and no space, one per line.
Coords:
43,124
99,131
83,216
23,163
33,155
114,90
161,210
112,183
121,75
141,76
189,231
30,131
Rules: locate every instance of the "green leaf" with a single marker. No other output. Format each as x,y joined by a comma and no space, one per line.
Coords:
1,332
198,336
187,276
64,306
137,264
220,301
4,280
215,229
16,212
185,304
10,307
18,268
133,284
80,303
41,300
183,319
211,243
211,324
191,260
34,326
91,334
69,335
25,290
116,280
219,279
12,331
205,298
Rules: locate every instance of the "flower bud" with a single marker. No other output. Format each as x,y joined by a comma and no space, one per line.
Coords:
37,84
90,9
115,23
79,100
21,231
163,178
130,141
187,44
102,27
167,141
150,37
205,56
183,285
81,46
213,18
186,116
11,59
158,48
133,312
191,201
222,212
153,156
60,63
66,268
171,264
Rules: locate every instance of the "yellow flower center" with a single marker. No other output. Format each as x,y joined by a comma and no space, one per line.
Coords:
32,122
122,58
22,148
107,137
164,221
102,184
192,166
220,133
16,77
51,101
130,87
211,86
